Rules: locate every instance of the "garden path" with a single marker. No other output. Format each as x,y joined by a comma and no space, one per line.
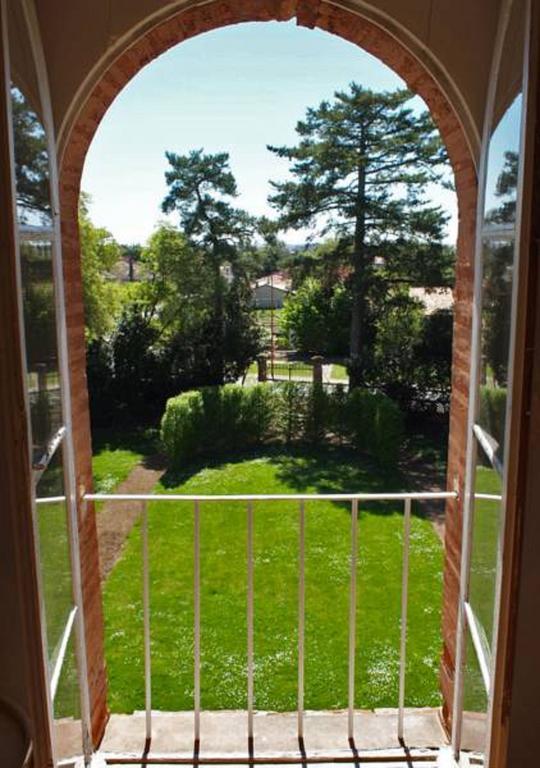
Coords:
424,476
116,519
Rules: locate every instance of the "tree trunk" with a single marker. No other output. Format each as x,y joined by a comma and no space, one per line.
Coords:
218,340
357,361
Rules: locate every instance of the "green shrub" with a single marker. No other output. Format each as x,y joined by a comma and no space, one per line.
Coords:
180,425
317,421
290,410
217,419
373,423
257,411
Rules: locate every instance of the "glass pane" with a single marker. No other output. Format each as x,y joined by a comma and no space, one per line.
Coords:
497,276
499,236
34,213
497,263
66,707
31,163
54,560
496,315
41,351
475,703
485,548
38,299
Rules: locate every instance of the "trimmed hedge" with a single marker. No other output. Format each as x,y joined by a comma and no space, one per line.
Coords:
216,419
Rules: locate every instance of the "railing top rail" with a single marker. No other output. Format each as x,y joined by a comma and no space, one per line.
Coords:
414,496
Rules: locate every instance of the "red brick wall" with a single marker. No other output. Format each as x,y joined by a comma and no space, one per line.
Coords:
374,39
91,589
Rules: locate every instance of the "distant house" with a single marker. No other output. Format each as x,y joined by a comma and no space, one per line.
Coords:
433,299
271,291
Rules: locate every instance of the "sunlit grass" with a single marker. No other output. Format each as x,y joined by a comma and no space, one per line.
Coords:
223,592
339,372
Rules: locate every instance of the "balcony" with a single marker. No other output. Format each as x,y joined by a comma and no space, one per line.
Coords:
386,736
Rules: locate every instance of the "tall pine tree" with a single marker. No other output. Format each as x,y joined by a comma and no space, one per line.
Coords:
360,171
200,188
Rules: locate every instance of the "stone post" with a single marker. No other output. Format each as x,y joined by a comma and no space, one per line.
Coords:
262,371
317,361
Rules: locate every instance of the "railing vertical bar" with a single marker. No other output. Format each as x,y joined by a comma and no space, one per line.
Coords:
197,621
146,619
250,619
404,606
301,615
352,616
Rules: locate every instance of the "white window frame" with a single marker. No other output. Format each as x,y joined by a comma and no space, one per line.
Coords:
467,622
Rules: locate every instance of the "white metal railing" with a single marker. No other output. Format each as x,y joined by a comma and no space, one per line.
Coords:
251,500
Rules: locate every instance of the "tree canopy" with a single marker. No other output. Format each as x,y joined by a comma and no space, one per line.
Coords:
99,254
201,189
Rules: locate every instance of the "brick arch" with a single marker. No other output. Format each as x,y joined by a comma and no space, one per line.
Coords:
420,76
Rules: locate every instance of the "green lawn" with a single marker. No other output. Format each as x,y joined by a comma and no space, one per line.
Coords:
55,572
264,317
339,372
116,454
223,567
487,521
296,371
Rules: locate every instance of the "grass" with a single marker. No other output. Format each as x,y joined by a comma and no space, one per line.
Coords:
55,566
223,595
291,370
295,371
339,372
117,453
301,370
484,548
53,542
112,466
264,318
486,527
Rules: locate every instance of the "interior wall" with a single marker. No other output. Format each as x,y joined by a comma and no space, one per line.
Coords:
82,39
449,117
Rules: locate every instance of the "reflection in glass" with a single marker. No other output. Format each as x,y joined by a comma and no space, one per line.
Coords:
497,267
36,255
54,559
31,163
475,703
497,275
40,334
66,708
484,550
496,323
502,170
496,310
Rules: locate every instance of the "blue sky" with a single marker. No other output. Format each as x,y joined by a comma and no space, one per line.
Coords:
236,89
505,138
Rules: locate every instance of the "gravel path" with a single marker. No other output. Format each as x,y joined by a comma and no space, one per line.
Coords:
115,519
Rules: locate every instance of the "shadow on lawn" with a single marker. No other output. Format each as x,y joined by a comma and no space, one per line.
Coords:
144,440
310,470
